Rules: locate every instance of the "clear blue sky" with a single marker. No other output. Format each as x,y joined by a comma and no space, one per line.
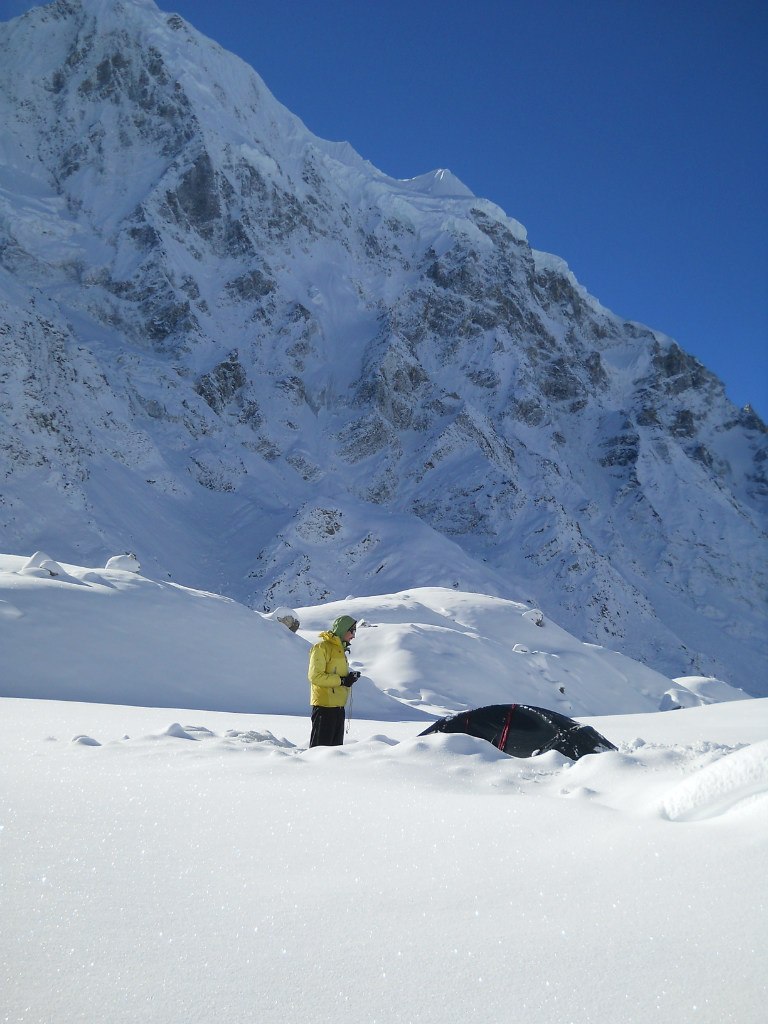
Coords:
630,137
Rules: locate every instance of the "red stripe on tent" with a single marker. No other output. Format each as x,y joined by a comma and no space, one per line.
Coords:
505,730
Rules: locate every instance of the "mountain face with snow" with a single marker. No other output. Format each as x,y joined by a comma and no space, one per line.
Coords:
287,377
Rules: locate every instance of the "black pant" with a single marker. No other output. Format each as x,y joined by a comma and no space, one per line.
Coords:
327,727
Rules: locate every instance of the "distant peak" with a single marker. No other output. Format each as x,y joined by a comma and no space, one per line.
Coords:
441,182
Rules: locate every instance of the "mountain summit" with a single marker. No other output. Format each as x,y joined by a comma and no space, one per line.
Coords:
280,374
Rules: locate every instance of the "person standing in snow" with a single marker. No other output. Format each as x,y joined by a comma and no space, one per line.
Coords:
330,680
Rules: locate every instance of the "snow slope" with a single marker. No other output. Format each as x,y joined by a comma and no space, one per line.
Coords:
112,635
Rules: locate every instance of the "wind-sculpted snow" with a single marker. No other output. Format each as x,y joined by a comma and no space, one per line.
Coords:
184,866
650,779
699,781
721,786
315,380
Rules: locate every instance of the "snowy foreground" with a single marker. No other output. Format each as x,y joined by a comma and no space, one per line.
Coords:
183,866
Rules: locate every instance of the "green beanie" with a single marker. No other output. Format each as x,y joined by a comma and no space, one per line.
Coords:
342,624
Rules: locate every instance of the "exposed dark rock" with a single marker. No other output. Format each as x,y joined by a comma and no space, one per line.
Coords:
250,286
221,384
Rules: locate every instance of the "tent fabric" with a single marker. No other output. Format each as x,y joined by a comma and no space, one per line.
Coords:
523,731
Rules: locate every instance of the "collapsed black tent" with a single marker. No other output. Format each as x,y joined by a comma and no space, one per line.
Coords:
522,730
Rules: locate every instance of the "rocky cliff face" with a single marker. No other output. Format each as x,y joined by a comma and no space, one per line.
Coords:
280,374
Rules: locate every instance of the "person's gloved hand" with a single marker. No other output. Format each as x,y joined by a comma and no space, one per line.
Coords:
348,680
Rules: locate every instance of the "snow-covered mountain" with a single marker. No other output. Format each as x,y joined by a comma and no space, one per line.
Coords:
284,376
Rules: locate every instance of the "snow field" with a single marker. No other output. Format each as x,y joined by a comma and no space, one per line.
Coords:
178,865
215,869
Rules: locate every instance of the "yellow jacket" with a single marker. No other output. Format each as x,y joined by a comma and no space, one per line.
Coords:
327,664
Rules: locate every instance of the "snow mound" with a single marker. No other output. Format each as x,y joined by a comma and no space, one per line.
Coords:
177,731
286,616
250,736
117,637
720,786
534,615
447,650
125,563
696,691
41,565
